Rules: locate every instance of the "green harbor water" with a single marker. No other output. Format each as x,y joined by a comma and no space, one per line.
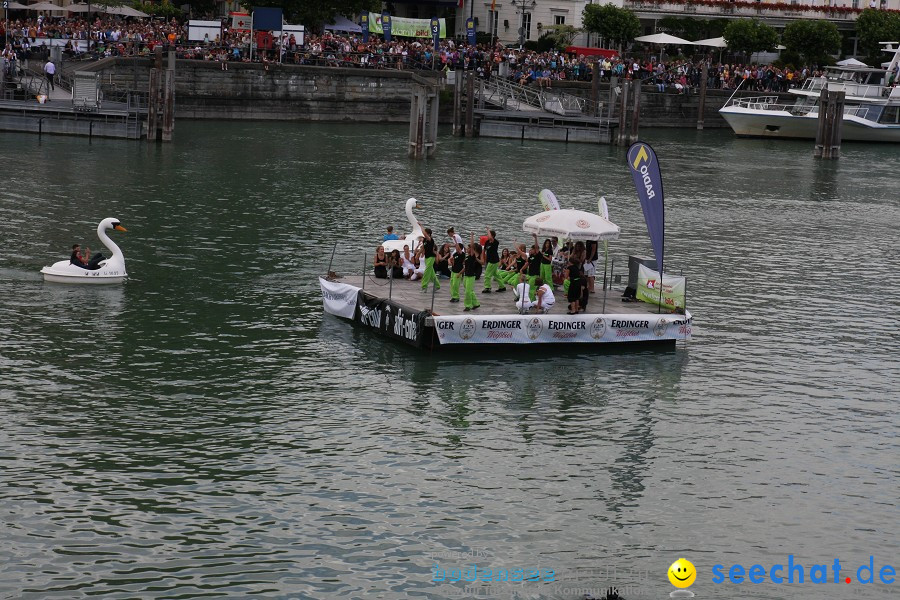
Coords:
205,431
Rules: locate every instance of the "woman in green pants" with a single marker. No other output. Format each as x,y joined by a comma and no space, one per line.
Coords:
457,263
429,254
547,262
474,257
492,258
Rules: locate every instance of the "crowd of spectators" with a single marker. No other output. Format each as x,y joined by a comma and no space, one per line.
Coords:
117,36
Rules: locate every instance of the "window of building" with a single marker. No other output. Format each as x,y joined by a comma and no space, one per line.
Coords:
559,19
493,22
526,23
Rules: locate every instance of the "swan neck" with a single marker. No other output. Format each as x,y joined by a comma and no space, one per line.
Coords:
110,245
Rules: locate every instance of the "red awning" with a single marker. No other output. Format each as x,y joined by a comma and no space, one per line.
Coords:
592,51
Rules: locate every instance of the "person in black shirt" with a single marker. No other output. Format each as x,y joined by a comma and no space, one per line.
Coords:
380,263
474,258
457,263
429,254
575,285
442,261
534,268
492,259
547,262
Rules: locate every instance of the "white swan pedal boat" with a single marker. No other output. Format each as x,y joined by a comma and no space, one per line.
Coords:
415,234
111,270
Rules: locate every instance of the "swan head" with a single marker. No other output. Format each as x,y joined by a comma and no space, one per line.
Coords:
110,224
412,203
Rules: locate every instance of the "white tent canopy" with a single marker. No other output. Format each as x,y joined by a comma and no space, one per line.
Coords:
44,6
15,6
663,38
343,24
718,42
851,62
570,224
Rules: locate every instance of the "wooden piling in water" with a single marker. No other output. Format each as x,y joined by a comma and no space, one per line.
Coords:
623,113
831,117
423,118
470,105
636,112
701,109
457,103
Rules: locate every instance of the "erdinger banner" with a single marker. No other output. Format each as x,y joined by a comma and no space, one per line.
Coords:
547,329
648,288
339,298
391,319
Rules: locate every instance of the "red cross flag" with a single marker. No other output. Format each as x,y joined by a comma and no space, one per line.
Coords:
240,21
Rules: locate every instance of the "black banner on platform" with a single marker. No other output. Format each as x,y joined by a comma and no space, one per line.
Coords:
391,319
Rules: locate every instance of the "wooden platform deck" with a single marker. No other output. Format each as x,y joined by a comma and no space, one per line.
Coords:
409,294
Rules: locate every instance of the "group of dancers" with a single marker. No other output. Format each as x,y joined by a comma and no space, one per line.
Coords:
533,273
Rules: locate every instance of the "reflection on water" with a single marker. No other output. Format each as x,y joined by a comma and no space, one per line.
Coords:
204,430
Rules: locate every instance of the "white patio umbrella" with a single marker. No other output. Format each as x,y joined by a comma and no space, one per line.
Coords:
15,6
851,62
124,11
77,8
44,6
718,42
663,39
570,224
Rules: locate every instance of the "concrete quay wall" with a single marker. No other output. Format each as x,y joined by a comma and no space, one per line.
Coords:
306,93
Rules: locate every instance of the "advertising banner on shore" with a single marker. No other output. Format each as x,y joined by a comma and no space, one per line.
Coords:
403,27
673,289
339,299
391,319
553,329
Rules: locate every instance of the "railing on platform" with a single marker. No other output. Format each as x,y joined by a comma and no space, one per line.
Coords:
512,96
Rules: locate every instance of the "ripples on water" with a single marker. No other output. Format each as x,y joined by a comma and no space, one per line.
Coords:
204,431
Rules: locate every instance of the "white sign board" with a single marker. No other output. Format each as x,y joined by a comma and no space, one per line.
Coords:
198,30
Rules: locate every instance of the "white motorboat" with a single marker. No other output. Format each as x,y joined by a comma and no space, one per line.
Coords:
111,270
871,106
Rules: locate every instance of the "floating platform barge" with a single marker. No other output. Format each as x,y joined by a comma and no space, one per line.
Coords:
399,309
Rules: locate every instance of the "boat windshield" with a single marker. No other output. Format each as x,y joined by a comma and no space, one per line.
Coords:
890,115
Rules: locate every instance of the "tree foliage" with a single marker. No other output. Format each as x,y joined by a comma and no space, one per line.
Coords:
749,35
560,36
814,40
618,25
692,29
874,26
316,13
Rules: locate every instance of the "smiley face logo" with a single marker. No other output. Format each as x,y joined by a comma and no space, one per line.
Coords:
682,573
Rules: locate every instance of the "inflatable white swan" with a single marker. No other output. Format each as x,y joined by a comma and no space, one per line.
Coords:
111,270
413,238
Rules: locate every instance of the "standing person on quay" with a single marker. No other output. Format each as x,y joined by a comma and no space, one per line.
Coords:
429,254
493,261
474,258
50,71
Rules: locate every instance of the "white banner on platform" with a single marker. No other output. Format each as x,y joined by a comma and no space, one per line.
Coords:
673,288
339,298
547,329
